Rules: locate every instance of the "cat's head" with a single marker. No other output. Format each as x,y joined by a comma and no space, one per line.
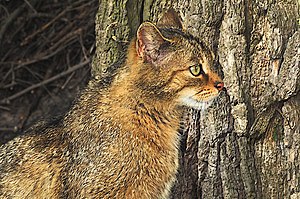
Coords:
175,65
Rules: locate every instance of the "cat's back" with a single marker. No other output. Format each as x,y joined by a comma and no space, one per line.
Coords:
31,165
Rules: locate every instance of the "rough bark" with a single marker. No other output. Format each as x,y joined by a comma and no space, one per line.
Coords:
247,144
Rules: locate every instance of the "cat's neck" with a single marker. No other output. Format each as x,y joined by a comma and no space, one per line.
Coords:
132,100
125,108
154,122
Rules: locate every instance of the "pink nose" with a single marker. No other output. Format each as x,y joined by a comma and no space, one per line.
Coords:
219,85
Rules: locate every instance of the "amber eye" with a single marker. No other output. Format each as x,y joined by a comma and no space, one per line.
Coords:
196,70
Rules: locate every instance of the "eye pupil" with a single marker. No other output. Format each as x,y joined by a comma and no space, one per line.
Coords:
196,70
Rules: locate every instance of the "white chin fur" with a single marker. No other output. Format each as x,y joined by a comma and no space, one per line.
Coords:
189,102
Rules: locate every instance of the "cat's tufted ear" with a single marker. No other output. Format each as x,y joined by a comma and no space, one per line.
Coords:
170,19
150,43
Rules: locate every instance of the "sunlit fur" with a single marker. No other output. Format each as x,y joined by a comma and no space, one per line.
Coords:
120,139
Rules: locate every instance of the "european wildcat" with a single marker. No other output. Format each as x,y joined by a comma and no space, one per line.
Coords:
121,140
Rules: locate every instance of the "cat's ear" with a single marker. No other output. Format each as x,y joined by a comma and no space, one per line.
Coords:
170,19
149,42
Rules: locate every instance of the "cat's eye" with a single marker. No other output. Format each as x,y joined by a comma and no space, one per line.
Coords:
196,70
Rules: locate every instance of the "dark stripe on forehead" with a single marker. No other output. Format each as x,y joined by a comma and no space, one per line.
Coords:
171,33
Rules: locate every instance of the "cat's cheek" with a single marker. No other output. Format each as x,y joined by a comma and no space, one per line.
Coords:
185,98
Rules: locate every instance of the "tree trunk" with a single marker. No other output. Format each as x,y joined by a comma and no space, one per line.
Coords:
247,144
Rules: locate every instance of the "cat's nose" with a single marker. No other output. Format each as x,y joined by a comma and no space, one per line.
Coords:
219,85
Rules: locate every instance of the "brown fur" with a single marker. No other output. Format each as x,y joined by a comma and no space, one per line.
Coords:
121,140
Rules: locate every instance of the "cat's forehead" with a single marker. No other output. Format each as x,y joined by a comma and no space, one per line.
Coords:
191,44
